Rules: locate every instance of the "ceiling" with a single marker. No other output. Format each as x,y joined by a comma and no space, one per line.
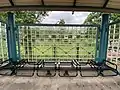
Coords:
61,5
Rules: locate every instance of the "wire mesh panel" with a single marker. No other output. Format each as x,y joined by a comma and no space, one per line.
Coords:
54,42
114,43
3,42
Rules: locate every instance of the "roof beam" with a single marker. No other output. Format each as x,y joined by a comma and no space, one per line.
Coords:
74,4
42,1
58,8
105,4
11,2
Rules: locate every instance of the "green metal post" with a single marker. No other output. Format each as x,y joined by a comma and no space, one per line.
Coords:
12,37
107,37
8,42
103,38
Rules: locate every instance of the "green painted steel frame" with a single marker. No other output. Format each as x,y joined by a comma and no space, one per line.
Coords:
11,37
104,33
76,25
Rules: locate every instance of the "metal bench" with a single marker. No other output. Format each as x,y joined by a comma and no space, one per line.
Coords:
25,68
6,68
67,69
46,68
108,69
87,69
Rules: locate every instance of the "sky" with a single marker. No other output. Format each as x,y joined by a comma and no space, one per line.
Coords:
55,16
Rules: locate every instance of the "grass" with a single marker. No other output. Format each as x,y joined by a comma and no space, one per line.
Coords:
45,47
3,50
61,50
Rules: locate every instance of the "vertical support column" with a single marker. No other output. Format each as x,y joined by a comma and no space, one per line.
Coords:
104,38
11,37
8,41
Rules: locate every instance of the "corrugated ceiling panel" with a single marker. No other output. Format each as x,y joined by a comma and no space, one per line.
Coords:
27,2
114,4
98,3
94,5
59,2
4,3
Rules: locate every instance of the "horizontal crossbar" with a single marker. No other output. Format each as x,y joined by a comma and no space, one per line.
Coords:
57,8
76,25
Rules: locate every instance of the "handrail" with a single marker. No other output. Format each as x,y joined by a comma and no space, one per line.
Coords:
76,25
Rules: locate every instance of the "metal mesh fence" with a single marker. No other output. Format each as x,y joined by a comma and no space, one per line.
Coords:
57,42
3,42
114,43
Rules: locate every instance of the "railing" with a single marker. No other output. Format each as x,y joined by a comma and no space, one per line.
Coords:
51,41
3,42
114,42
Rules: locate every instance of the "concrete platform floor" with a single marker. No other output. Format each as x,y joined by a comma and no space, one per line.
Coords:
59,83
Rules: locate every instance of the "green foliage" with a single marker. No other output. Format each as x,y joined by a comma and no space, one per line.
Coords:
95,18
61,21
25,17
114,17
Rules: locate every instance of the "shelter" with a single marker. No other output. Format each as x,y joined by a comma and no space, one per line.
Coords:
61,5
99,62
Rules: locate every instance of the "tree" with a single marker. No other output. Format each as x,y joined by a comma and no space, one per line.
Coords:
61,29
95,18
26,17
61,22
